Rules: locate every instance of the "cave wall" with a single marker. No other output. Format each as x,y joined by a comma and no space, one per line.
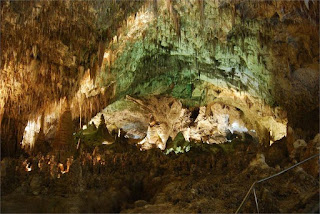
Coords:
46,49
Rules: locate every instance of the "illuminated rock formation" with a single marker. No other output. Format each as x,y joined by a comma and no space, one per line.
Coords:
183,49
162,105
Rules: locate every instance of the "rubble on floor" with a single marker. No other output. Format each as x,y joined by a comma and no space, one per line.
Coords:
121,178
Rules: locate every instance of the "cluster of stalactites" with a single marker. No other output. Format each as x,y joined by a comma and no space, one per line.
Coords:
44,57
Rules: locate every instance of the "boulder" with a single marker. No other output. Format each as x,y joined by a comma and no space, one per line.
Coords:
299,143
35,185
259,161
140,203
312,148
277,153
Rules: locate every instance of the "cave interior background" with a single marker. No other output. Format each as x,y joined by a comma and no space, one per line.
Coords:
179,87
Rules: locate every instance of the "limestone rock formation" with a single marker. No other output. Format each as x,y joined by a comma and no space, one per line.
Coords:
64,142
103,130
159,106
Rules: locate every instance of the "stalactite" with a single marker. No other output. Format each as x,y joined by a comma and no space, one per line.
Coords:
155,8
201,4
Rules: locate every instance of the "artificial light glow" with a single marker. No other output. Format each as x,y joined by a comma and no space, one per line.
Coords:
34,125
30,132
106,55
106,143
28,167
238,128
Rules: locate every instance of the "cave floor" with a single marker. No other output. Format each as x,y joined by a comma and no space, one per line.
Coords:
125,179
